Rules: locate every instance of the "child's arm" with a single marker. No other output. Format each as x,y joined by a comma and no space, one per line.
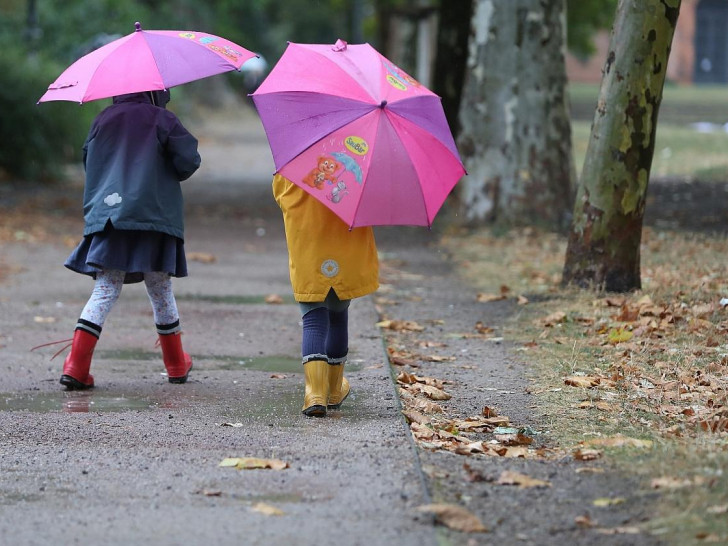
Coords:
182,150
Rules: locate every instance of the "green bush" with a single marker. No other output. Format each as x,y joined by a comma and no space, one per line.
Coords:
37,140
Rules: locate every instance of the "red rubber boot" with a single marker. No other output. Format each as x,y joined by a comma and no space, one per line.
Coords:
177,362
78,362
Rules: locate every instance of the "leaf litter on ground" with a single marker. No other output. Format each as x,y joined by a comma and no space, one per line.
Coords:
654,363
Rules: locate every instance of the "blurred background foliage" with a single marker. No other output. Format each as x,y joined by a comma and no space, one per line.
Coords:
40,38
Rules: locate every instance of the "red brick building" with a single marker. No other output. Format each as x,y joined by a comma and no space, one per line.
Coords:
699,48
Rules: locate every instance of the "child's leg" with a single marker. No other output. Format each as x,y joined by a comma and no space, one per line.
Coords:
337,340
315,362
315,332
107,290
164,305
88,329
166,317
337,347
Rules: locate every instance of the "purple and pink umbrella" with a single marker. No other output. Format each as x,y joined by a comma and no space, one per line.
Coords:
355,131
146,60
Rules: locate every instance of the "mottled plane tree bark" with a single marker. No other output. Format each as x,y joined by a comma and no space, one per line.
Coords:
603,251
515,137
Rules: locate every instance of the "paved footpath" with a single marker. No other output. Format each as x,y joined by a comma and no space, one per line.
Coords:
136,460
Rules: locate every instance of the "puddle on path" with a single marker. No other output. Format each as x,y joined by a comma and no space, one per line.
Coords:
234,299
282,406
72,402
272,363
277,498
128,354
279,364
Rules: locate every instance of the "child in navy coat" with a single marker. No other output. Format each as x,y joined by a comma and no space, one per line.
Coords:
135,156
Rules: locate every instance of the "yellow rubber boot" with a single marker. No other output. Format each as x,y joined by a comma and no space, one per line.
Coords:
316,394
338,386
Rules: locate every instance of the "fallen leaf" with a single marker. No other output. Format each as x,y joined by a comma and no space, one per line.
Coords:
278,376
513,452
431,344
400,325
436,358
471,448
424,406
554,319
508,477
473,475
482,328
248,463
209,493
621,441
485,298
202,257
416,417
44,320
619,531
434,393
273,299
706,537
587,454
619,335
267,509
670,482
589,470
455,517
585,381
489,412
599,404
607,501
584,521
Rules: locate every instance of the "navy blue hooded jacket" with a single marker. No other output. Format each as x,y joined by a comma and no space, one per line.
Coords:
135,156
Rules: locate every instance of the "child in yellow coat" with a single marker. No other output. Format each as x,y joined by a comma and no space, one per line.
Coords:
330,265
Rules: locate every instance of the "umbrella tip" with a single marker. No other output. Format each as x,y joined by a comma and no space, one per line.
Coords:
137,26
383,104
340,45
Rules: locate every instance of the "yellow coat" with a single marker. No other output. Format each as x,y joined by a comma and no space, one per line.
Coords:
322,252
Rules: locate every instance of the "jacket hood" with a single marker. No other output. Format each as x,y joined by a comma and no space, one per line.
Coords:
157,98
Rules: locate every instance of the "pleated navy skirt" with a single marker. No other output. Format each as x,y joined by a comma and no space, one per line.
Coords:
132,251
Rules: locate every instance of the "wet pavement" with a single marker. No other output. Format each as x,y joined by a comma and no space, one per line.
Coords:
137,459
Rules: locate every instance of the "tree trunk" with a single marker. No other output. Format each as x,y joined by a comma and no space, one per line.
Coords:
452,54
604,242
515,135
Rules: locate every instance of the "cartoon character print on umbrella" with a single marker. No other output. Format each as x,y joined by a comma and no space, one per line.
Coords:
324,171
327,169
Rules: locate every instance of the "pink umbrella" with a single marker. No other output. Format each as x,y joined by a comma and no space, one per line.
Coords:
353,130
146,60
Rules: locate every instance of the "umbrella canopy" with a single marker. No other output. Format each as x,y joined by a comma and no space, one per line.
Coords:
351,128
146,60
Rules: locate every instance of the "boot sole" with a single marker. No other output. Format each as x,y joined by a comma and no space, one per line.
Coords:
180,380
315,411
73,384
